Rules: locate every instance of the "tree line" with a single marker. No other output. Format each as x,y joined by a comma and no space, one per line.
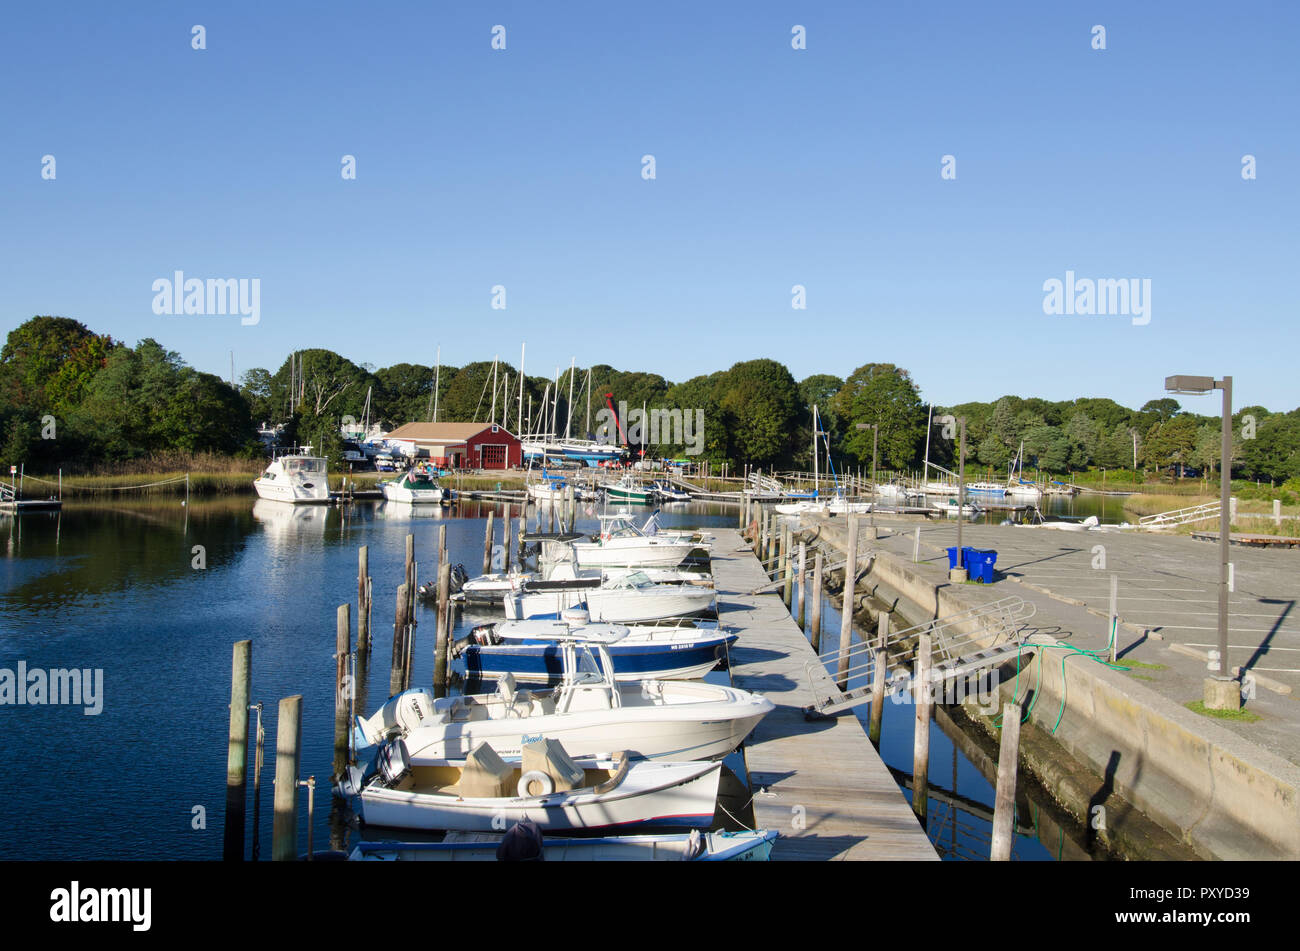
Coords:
70,396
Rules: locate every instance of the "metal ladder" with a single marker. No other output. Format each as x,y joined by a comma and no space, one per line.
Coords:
956,651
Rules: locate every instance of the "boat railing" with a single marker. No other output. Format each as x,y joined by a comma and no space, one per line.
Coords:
960,644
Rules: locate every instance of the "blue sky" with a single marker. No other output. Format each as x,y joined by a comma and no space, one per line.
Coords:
774,167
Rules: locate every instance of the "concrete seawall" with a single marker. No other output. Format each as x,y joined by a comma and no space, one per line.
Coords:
1221,794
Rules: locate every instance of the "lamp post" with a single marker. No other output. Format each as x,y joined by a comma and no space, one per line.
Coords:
875,495
1221,693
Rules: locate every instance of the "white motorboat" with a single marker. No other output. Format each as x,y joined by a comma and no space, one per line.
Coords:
589,712
624,599
969,510
679,847
842,506
622,544
483,794
415,487
296,479
802,507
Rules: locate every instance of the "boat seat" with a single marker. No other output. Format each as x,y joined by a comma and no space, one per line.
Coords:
485,775
506,688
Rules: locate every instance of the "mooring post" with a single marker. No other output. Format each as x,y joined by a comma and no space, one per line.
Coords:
397,674
921,735
916,545
408,574
846,614
1004,803
879,668
241,673
1277,511
803,581
342,682
257,783
487,544
363,598
505,535
1113,632
440,646
817,603
288,744
788,564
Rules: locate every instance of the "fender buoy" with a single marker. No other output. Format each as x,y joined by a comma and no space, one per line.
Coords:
534,776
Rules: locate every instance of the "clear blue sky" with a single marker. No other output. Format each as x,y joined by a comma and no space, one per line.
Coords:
775,167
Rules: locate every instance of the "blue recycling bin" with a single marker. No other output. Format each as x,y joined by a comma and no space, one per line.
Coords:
952,557
979,564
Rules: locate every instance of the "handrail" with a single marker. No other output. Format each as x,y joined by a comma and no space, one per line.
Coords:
1008,614
1191,513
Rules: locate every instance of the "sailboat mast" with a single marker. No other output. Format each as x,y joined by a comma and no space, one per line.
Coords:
816,489
925,473
521,387
568,419
587,431
492,414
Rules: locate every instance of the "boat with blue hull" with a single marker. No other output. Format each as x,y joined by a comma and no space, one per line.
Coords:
637,654
695,847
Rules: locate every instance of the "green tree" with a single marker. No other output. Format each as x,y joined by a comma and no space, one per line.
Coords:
761,402
884,395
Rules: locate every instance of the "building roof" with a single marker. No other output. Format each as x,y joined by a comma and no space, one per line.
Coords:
442,433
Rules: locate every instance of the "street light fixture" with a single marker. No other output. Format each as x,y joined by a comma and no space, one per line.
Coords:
1220,692
875,495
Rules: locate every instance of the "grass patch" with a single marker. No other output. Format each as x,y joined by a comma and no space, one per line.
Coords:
1143,677
1241,716
1137,664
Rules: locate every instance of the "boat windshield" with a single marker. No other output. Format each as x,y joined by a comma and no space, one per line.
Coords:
588,671
304,465
420,477
635,579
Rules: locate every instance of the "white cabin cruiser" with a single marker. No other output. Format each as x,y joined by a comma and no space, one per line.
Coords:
298,480
622,544
623,599
590,713
415,487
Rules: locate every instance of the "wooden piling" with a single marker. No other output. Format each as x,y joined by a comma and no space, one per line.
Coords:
241,673
816,634
363,598
408,575
397,675
505,535
1004,802
921,734
487,544
879,668
803,581
342,681
788,566
288,746
846,613
440,646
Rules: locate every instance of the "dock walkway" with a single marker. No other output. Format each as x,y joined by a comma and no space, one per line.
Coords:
821,784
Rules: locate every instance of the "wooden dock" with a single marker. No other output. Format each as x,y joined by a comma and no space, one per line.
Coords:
821,784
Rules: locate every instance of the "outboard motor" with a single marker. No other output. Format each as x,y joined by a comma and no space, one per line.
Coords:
484,635
458,578
394,761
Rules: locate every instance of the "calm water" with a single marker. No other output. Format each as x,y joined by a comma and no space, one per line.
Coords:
113,587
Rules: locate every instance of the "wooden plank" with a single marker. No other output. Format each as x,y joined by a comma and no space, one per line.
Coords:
820,784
